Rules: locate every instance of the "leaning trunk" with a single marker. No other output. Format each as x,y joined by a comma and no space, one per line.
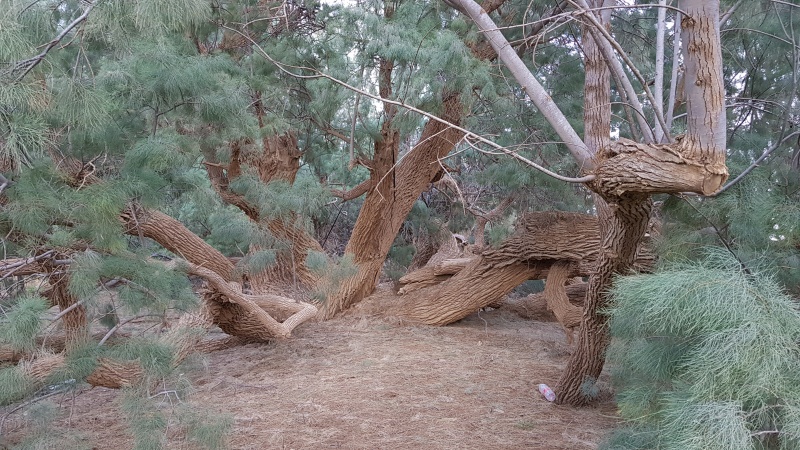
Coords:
628,172
385,209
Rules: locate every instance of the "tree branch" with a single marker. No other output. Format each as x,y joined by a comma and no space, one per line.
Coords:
354,193
529,83
27,65
755,164
574,142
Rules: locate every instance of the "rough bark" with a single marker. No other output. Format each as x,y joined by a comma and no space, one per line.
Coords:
275,159
239,314
622,227
389,201
567,314
569,240
628,173
175,237
76,328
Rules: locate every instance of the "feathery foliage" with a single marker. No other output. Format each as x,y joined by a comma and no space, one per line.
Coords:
22,323
706,356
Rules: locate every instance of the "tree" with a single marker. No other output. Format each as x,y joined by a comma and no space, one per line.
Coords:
705,357
219,135
628,173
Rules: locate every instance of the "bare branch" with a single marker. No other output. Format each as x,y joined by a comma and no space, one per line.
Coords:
27,65
529,83
755,164
574,143
354,193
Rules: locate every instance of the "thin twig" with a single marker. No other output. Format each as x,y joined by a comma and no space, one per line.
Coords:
30,63
119,325
755,164
317,74
719,234
19,265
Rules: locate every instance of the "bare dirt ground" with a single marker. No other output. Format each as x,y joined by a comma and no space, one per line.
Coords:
360,382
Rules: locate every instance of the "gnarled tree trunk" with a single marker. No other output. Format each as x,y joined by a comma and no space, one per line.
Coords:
627,173
387,205
568,241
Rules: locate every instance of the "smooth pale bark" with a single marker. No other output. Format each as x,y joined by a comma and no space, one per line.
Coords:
535,91
676,67
658,83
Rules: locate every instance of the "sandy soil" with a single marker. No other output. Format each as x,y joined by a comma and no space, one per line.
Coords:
361,382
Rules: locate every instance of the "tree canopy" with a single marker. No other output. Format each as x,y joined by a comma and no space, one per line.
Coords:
255,165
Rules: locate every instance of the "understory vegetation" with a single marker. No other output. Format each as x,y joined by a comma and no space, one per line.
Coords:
249,167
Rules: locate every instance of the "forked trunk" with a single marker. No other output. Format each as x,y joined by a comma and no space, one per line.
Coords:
628,173
385,209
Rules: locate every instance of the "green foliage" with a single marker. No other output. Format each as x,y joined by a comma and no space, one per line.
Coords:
232,232
148,285
148,425
155,358
157,16
14,385
45,434
333,271
23,322
757,218
151,415
706,356
255,262
499,231
206,430
303,199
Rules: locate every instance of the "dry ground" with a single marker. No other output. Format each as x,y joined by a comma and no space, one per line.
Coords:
360,382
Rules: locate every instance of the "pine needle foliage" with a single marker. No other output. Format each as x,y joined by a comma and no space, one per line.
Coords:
22,323
46,435
206,431
706,356
14,385
148,425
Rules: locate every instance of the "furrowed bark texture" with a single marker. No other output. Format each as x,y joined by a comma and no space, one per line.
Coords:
622,226
76,328
175,237
569,240
237,313
628,173
275,158
388,203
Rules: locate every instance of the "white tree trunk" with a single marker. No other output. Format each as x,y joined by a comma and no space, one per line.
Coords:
658,87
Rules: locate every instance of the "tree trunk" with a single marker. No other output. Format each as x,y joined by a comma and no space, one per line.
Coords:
237,313
389,202
622,227
629,172
569,241
175,237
